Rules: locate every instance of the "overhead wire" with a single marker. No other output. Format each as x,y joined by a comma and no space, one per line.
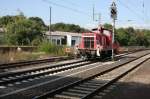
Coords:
70,2
132,11
145,14
68,8
143,9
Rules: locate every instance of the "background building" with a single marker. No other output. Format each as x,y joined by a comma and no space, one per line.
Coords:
64,38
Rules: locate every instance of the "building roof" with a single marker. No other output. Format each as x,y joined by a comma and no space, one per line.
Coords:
60,33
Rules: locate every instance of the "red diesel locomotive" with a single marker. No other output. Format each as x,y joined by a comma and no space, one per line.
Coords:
97,43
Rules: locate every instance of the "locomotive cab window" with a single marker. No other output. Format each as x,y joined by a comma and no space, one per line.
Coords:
89,42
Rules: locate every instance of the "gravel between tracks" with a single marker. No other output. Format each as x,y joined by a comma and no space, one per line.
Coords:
136,85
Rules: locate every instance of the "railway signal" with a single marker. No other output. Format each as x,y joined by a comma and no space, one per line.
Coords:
113,12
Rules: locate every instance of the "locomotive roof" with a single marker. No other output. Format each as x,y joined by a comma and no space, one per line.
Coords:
94,29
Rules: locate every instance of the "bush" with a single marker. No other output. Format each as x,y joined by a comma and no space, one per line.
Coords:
51,48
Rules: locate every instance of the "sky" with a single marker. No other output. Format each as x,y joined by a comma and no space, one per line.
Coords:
130,12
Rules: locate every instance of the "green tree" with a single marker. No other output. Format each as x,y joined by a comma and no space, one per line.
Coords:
5,20
141,39
39,22
22,32
122,36
67,28
107,26
147,36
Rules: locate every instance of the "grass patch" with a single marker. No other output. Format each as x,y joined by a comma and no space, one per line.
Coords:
18,56
52,49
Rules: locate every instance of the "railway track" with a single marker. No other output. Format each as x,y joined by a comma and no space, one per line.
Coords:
18,65
32,74
29,64
16,77
91,87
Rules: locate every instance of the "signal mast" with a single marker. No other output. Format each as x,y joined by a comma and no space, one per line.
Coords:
113,12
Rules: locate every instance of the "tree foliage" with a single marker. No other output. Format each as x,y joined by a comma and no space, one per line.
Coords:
5,20
67,28
108,26
39,22
20,30
130,36
23,31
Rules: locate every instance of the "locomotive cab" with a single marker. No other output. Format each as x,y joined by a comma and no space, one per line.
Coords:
97,43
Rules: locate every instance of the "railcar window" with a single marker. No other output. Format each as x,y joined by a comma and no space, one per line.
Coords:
58,42
54,41
89,42
73,42
64,40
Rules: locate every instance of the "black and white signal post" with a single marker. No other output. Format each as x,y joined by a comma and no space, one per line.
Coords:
113,11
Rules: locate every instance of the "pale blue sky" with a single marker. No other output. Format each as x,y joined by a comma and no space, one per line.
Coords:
82,14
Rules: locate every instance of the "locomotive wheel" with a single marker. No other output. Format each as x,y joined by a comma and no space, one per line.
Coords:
83,57
109,53
116,51
86,56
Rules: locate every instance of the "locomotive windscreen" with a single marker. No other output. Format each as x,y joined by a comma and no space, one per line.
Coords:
88,42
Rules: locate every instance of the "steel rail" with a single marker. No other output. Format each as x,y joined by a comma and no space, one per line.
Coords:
61,89
112,81
44,84
4,82
5,74
27,63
